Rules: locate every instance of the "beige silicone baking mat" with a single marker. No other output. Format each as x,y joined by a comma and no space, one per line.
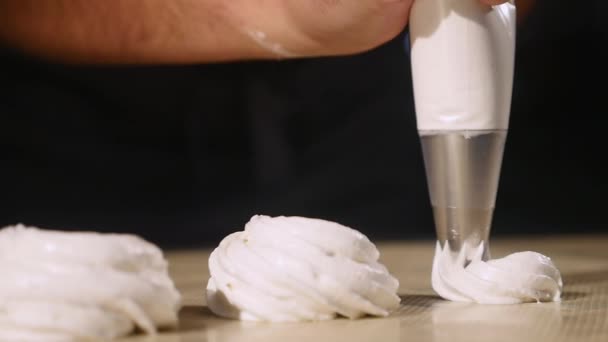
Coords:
582,315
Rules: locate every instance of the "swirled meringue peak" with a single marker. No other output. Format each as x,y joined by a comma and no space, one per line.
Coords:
298,269
517,278
81,286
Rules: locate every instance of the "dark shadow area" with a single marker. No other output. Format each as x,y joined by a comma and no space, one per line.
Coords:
420,300
414,305
573,295
197,318
184,155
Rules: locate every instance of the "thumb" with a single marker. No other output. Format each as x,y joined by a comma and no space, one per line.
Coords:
347,26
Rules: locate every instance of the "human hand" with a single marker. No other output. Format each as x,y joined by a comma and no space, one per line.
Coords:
323,27
199,31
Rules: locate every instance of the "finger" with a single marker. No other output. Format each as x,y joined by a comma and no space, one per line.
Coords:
350,26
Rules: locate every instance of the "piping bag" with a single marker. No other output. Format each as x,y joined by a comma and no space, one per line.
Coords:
462,59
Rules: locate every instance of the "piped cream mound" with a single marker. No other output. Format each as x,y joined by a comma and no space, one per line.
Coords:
73,286
298,269
517,278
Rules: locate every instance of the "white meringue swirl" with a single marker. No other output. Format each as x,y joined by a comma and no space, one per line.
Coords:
517,278
73,286
298,269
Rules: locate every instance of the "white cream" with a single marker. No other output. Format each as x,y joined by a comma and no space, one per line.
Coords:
68,286
462,55
298,269
517,278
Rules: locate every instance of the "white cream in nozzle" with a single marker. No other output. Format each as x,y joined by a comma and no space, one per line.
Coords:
462,55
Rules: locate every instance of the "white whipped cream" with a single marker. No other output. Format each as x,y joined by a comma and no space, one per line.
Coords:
298,269
517,278
68,286
462,55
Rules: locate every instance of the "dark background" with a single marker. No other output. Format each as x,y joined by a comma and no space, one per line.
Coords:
185,155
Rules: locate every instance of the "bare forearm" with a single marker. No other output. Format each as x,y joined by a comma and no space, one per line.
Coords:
131,31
